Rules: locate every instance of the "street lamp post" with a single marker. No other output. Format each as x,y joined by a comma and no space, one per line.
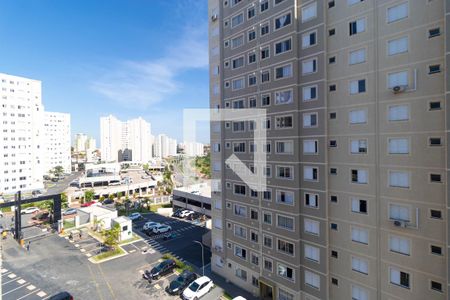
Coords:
203,257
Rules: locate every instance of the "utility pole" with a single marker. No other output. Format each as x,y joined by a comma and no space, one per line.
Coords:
203,257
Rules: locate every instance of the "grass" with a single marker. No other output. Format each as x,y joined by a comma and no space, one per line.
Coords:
6,209
227,296
134,238
109,254
180,266
68,224
154,207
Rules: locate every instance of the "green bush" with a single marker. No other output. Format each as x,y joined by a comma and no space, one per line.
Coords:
180,266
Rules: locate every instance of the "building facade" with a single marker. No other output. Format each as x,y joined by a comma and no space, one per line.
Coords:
21,133
80,142
125,141
193,149
57,141
355,93
165,146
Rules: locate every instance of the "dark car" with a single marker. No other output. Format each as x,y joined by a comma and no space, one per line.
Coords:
177,213
54,179
108,201
42,216
177,286
61,296
161,269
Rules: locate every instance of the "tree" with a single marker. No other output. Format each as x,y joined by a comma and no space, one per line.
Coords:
89,195
58,171
112,236
111,197
119,195
145,167
64,201
102,198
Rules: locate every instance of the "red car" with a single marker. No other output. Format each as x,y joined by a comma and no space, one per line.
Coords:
86,204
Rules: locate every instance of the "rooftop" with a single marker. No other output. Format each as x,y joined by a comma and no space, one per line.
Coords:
202,189
96,210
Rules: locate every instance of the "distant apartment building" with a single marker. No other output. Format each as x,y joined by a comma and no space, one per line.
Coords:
57,141
193,149
357,157
125,141
165,146
80,142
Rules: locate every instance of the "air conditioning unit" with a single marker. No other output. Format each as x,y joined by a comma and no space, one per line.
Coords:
400,223
399,89
214,17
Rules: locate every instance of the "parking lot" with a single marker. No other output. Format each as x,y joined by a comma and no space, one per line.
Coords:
55,264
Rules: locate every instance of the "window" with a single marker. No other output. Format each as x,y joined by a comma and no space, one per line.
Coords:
238,126
312,200
267,241
234,2
309,66
239,189
265,76
240,231
399,179
311,279
398,46
284,147
285,247
241,274
284,122
309,12
398,79
357,56
264,5
285,272
437,286
398,146
357,86
251,35
309,39
239,147
332,60
310,146
265,100
359,293
435,141
264,29
238,84
311,227
357,26
399,278
240,210
433,69
237,63
251,58
331,4
310,93
282,294
283,72
398,12
400,245
237,20
358,146
334,226
435,214
312,253
283,21
285,172
358,116
360,235
267,218
254,259
334,281
333,171
334,254
251,80
436,250
434,32
283,46
251,12
435,105
399,212
398,113
435,178
333,143
268,265
310,173
285,197
332,32
240,252
309,120
359,206
360,265
352,2
237,41
359,176
332,88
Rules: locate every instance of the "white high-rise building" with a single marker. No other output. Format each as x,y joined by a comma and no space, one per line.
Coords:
80,142
125,141
165,146
193,149
57,141
21,134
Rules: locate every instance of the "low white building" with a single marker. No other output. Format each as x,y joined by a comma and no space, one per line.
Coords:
101,216
126,228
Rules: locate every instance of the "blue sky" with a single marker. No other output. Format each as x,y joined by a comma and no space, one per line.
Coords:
128,58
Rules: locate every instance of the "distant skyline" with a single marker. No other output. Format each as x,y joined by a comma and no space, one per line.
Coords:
126,58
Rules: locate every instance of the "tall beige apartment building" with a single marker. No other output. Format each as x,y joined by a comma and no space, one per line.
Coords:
357,155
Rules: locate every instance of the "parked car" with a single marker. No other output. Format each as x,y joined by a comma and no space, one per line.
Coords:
161,228
198,288
42,216
145,177
36,193
161,269
113,183
177,285
186,213
61,296
108,201
54,179
135,216
177,213
193,216
29,210
87,204
150,226
239,298
70,211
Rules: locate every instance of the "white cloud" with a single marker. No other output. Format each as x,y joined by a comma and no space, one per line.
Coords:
143,83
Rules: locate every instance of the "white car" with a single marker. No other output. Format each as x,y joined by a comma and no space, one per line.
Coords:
239,298
29,210
198,288
150,225
161,228
135,216
186,213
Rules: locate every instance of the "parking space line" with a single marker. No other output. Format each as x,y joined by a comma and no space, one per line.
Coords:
10,291
6,274
4,271
12,280
27,295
